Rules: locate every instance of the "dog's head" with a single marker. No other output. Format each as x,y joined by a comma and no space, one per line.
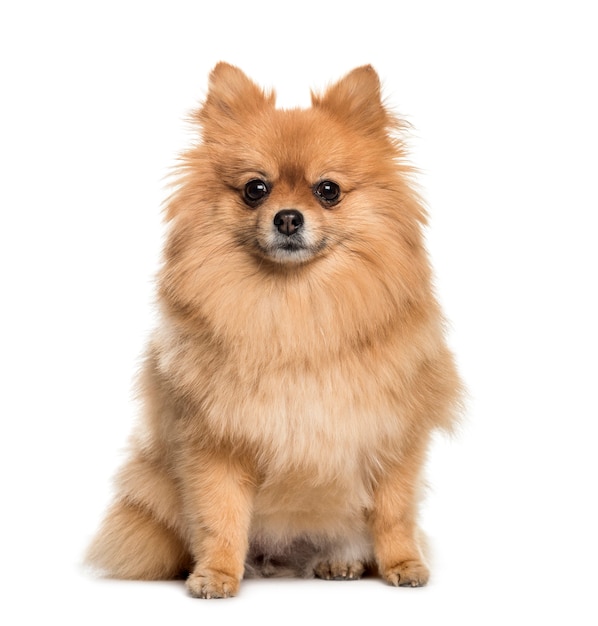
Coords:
292,186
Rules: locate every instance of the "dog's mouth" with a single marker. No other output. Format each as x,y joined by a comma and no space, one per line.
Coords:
291,245
293,249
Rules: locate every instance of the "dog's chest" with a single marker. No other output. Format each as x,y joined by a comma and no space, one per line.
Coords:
331,419
319,412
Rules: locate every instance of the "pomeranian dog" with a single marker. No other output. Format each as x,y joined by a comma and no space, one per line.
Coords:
299,367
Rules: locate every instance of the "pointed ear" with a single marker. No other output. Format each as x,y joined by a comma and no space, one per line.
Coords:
232,96
356,100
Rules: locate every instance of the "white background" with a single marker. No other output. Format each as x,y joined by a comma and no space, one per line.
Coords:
502,97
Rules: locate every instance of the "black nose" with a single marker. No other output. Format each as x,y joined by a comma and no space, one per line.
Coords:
288,221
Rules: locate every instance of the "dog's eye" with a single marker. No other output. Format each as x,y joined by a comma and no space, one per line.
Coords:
328,192
255,190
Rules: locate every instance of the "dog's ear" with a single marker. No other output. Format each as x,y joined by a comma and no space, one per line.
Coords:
232,96
356,99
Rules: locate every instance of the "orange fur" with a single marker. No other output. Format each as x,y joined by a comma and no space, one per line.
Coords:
295,377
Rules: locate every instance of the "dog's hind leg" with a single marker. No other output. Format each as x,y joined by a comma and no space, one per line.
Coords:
140,536
133,544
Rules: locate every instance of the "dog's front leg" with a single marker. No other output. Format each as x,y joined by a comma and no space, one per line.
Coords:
394,521
219,495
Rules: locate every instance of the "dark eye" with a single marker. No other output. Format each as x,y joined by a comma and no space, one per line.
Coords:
255,190
328,192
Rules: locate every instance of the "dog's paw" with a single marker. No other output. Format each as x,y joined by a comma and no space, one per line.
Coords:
407,574
212,584
337,570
